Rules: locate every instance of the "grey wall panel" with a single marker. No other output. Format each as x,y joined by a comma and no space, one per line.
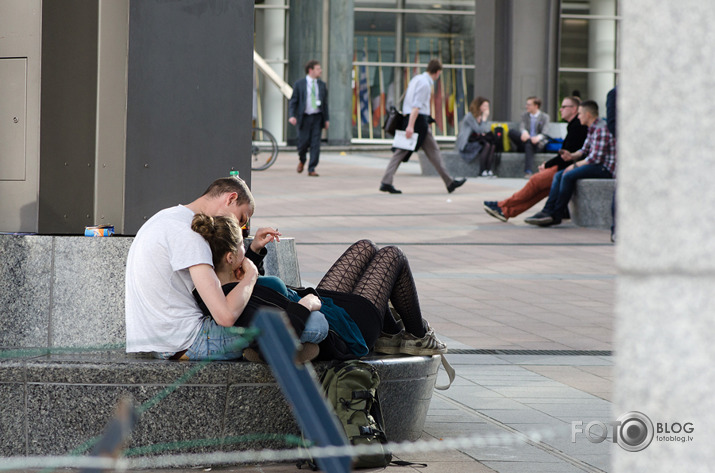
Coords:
20,27
529,53
305,42
188,100
68,122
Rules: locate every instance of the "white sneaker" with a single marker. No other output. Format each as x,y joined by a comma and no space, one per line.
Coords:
426,346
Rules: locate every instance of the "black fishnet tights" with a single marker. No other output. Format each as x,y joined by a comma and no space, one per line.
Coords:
380,276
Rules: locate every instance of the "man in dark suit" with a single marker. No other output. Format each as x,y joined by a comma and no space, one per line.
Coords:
530,138
308,110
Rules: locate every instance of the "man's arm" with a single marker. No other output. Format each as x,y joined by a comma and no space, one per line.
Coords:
324,106
293,104
409,131
224,309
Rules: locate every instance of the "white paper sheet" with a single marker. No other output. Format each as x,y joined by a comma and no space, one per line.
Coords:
402,142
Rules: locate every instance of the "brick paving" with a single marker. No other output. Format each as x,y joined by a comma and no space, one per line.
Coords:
483,285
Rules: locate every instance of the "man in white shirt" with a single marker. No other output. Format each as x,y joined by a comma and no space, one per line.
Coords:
530,138
167,260
416,108
308,110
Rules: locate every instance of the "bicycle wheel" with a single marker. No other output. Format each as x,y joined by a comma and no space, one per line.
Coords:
264,149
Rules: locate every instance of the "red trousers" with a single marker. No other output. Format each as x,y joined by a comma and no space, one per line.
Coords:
536,189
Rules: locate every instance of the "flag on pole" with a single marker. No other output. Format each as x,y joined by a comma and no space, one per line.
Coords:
378,102
363,91
355,90
461,87
438,88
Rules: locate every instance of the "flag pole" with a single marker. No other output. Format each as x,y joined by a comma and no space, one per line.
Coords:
455,114
367,83
464,78
431,98
441,86
382,87
357,97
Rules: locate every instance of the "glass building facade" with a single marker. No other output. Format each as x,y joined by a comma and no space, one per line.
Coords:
392,40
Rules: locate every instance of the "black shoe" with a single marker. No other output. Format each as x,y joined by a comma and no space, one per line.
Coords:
454,184
493,209
389,188
541,218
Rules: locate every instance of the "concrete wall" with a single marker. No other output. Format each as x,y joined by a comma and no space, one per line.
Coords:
515,47
665,248
20,50
69,116
190,82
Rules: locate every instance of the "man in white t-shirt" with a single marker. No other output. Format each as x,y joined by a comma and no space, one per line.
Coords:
167,260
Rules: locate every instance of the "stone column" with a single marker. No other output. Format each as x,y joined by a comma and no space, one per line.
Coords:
305,34
665,253
340,57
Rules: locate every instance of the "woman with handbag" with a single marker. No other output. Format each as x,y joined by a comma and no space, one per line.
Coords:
475,139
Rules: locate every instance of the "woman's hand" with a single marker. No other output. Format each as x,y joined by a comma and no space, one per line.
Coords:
264,236
311,302
247,271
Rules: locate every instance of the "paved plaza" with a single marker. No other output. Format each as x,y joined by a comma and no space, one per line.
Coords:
526,312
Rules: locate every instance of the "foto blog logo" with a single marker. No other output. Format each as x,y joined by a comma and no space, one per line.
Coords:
633,431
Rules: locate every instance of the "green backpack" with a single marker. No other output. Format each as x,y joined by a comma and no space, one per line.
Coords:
351,388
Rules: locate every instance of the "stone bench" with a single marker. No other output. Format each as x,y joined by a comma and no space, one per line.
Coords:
54,403
590,205
65,295
508,165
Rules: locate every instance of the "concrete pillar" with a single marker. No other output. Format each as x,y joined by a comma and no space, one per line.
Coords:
665,302
601,50
340,57
272,45
190,83
304,43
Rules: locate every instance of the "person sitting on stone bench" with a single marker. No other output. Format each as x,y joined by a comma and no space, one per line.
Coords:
475,138
530,138
538,186
599,153
167,260
353,296
223,235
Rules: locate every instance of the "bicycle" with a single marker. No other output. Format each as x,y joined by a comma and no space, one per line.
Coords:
264,149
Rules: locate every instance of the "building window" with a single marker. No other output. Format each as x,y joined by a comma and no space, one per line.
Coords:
394,40
270,23
588,58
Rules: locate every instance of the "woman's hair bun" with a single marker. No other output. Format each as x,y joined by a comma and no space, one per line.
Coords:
203,225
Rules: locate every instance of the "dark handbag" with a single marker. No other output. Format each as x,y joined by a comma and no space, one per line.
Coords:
393,121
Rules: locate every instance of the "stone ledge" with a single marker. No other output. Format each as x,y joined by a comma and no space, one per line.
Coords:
52,404
68,291
508,165
591,202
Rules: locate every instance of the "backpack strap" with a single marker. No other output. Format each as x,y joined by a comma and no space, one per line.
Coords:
450,372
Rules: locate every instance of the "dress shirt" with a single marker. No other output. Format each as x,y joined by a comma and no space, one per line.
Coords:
600,147
309,84
418,94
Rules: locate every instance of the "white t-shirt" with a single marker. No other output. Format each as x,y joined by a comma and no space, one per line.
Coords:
161,313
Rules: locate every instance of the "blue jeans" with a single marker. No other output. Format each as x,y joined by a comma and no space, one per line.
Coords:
316,328
563,185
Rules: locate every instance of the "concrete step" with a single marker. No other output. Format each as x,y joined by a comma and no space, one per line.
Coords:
53,404
508,165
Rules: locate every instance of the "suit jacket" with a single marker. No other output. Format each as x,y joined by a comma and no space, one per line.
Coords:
299,99
541,121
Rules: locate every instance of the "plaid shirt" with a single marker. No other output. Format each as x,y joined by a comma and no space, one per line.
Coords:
600,146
